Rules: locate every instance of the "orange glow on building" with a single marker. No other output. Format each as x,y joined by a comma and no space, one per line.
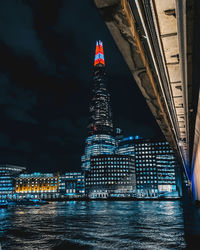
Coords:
36,183
99,54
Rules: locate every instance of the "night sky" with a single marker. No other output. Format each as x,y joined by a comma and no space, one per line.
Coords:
46,55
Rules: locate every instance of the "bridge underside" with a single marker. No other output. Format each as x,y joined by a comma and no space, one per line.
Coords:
156,40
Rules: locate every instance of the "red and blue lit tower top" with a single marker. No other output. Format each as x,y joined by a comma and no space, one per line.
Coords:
99,55
100,118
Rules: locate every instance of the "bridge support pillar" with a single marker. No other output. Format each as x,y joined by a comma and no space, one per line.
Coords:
196,156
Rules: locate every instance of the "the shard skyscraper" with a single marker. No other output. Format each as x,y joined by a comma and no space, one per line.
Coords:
100,129
100,115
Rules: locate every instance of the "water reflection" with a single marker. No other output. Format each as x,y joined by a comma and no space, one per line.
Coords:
94,225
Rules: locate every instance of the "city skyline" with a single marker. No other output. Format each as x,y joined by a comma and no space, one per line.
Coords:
100,124
45,81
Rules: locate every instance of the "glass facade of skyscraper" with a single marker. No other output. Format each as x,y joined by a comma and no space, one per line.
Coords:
126,145
100,128
100,114
96,145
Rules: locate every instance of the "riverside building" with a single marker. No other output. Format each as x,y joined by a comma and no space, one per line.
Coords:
157,169
7,175
111,176
169,179
72,185
37,185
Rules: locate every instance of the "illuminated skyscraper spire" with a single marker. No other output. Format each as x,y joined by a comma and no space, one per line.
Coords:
99,55
100,120
100,126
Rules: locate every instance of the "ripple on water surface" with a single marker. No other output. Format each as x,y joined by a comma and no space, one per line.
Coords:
94,225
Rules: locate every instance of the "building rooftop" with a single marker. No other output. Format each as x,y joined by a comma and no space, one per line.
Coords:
11,167
36,175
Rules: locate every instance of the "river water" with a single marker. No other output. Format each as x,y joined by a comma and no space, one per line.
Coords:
94,225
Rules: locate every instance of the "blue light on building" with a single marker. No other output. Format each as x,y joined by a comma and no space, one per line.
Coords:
7,175
156,169
111,176
72,184
156,166
96,145
125,146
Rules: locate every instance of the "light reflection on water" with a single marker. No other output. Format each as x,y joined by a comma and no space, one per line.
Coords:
94,225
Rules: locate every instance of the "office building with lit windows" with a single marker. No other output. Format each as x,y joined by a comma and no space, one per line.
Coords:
126,145
72,185
169,179
100,128
155,166
7,176
96,145
37,185
157,170
111,176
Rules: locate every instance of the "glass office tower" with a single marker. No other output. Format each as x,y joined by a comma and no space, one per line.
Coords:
100,114
96,145
100,129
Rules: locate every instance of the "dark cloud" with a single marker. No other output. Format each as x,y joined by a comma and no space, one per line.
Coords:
17,31
5,141
64,124
46,62
18,102
56,139
70,127
18,114
23,146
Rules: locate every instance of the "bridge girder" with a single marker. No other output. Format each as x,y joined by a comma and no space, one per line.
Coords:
155,38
